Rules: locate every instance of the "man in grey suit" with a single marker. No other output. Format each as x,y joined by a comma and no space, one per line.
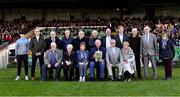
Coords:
52,60
114,59
148,51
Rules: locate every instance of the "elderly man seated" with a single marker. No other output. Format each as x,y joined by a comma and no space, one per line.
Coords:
52,60
97,55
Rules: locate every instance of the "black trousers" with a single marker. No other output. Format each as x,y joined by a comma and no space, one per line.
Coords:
138,65
34,60
127,75
20,59
68,72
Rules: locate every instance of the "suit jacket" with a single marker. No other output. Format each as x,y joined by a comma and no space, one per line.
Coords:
150,47
135,45
77,41
91,42
116,58
36,46
65,41
103,41
47,56
118,41
93,50
57,40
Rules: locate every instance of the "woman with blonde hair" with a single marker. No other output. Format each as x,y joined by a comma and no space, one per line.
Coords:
129,66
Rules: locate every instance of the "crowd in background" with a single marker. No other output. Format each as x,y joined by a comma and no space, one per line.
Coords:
10,29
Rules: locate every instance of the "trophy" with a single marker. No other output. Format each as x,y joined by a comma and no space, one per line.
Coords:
98,56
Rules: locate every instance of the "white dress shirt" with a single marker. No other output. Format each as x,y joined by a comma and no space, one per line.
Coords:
108,41
121,37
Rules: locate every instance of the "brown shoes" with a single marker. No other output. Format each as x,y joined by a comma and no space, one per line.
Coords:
33,78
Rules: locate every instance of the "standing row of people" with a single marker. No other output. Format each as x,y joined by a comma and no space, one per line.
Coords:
122,51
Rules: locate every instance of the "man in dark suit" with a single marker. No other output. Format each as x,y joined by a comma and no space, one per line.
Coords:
81,38
37,47
92,39
67,39
135,45
53,38
121,37
106,40
106,43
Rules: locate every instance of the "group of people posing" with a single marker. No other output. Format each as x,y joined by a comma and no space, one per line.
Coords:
101,55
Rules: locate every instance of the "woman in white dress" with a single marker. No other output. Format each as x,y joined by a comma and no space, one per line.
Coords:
129,66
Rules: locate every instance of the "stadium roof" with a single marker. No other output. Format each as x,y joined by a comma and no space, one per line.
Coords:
85,3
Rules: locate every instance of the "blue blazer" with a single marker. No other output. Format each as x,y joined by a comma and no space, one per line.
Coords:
93,50
78,55
118,42
65,41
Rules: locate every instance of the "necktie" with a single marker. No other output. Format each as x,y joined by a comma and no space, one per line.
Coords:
53,57
147,38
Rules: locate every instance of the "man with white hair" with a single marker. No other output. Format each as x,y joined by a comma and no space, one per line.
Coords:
53,38
99,64
81,38
52,60
114,58
106,43
148,51
106,39
92,39
68,63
